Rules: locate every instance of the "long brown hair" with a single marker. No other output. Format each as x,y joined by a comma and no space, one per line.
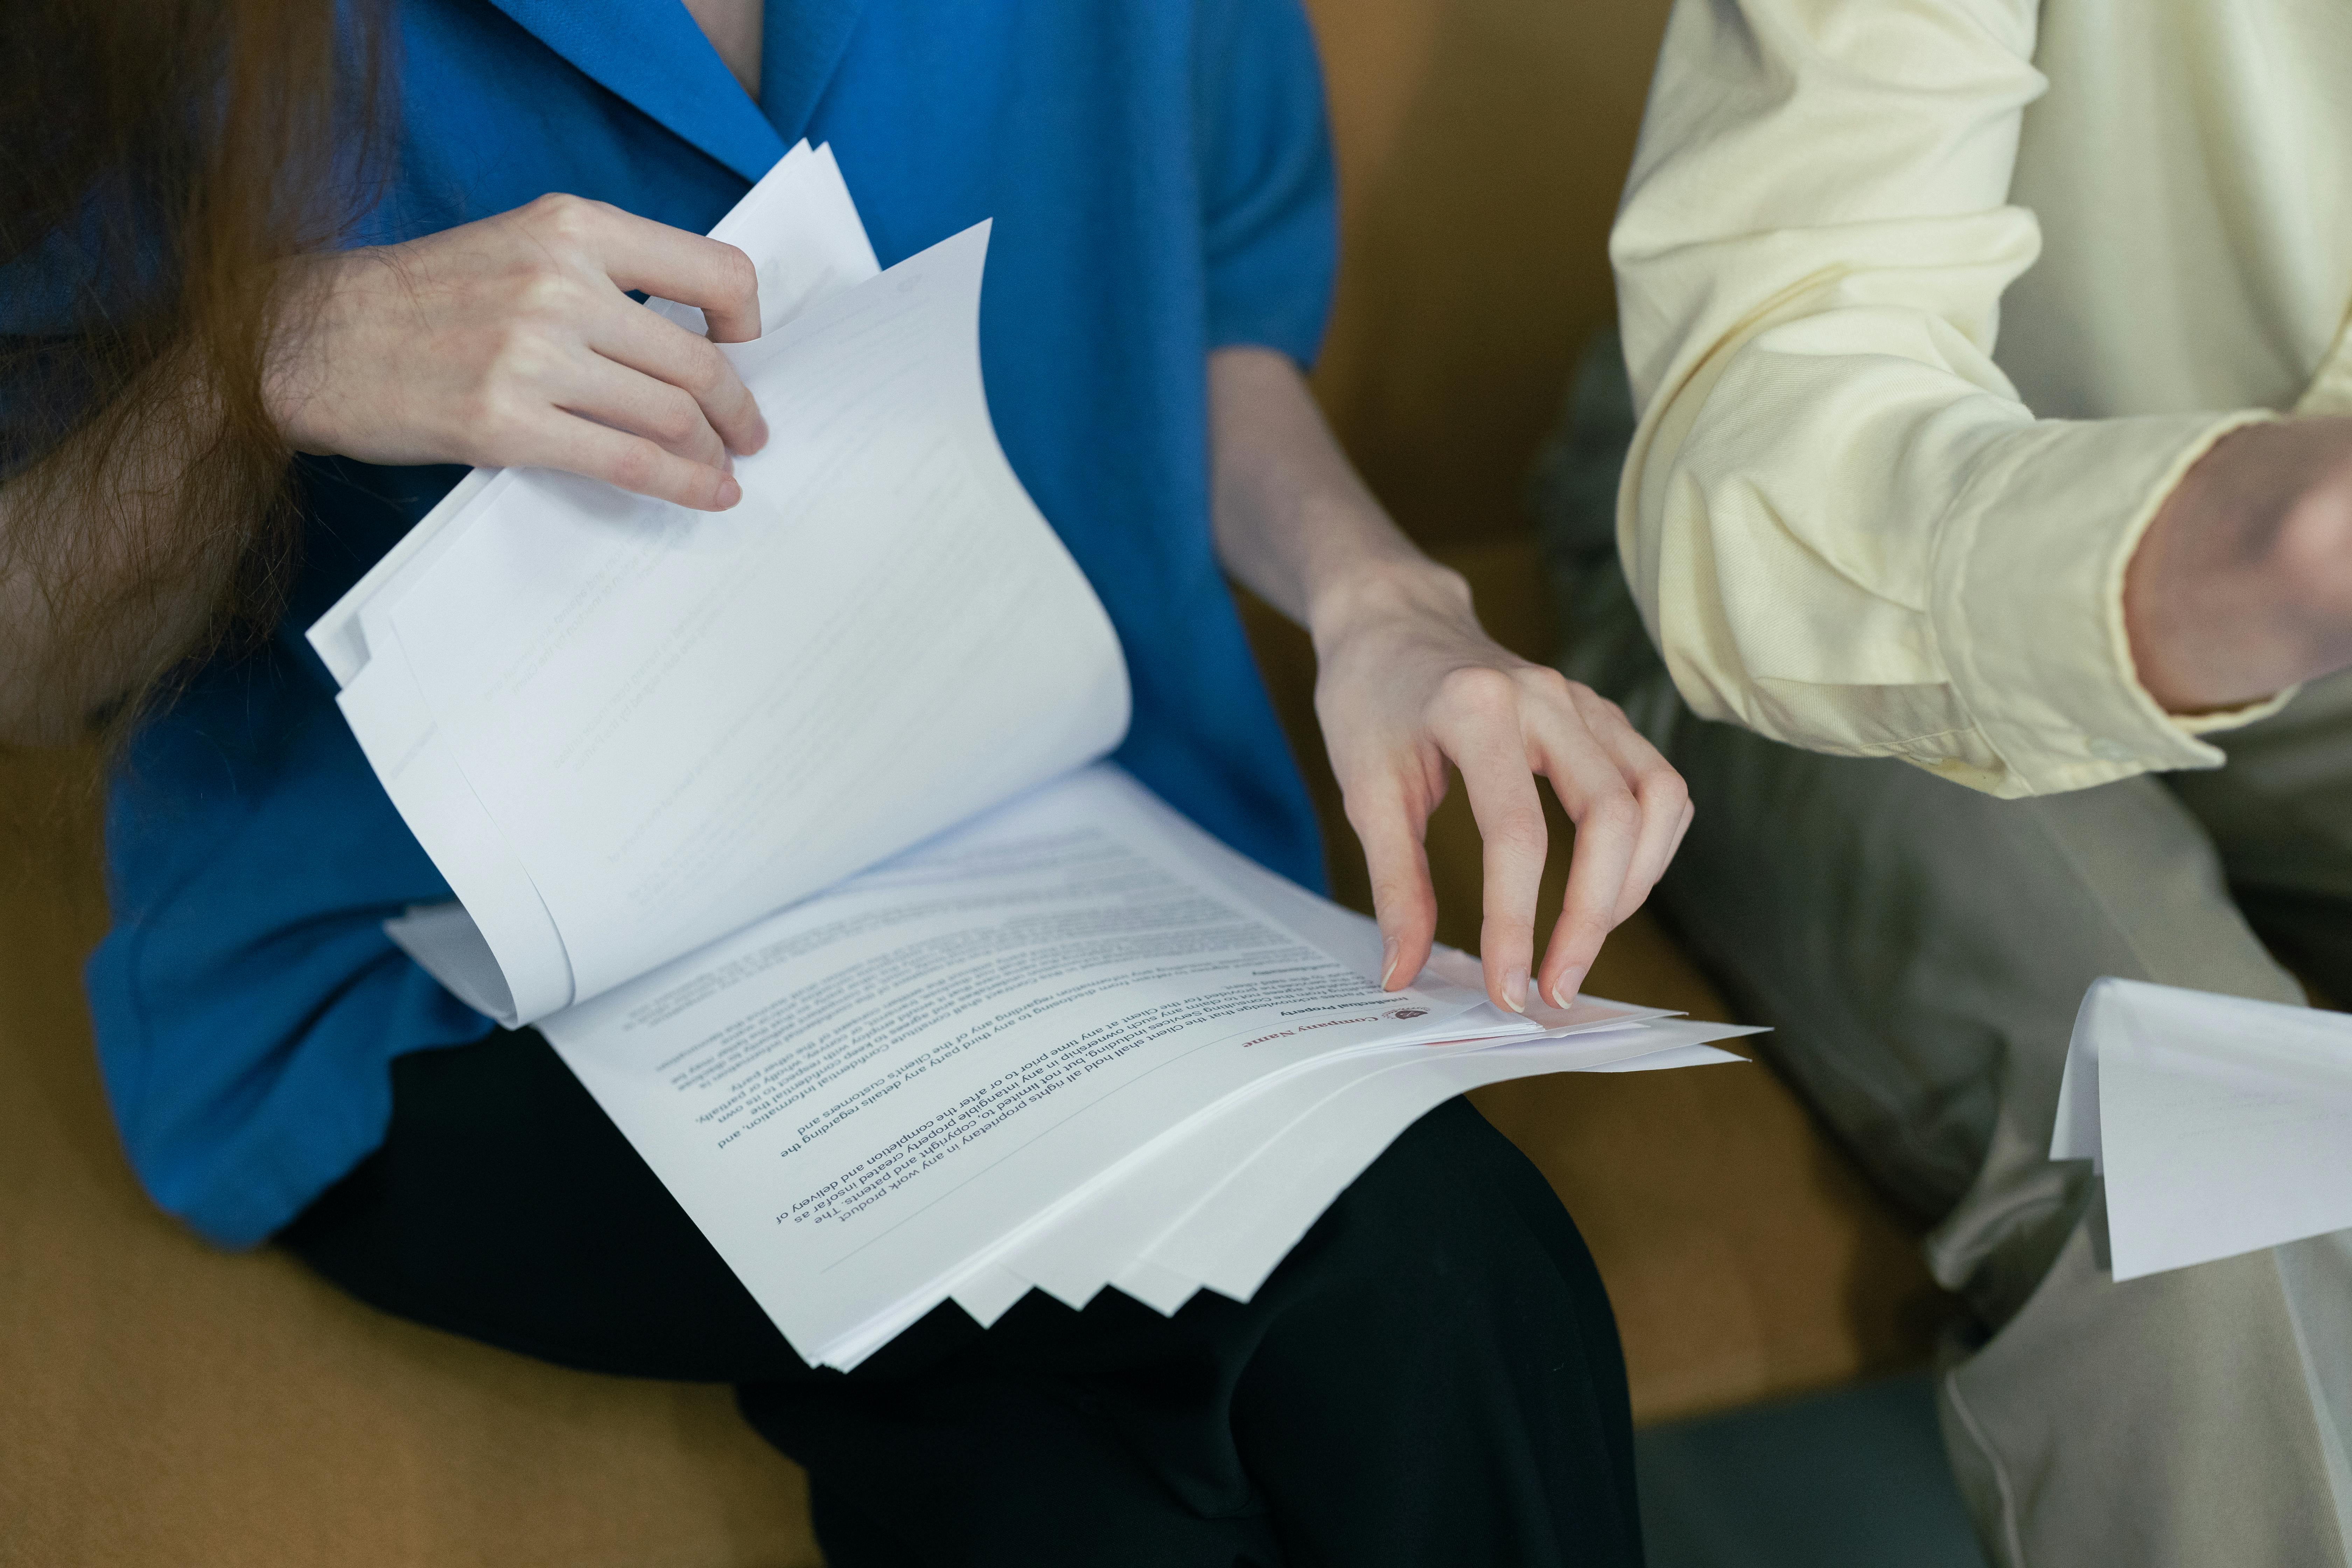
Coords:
161,161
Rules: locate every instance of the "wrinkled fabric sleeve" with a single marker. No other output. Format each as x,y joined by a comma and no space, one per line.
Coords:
1845,529
1269,217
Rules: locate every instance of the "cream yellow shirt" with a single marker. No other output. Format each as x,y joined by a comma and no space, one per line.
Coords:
1928,304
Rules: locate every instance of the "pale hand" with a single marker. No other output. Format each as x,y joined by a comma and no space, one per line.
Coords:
1408,682
513,342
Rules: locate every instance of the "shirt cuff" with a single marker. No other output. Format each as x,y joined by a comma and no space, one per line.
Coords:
2028,601
2230,718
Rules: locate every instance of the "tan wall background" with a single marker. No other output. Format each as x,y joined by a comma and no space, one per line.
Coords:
1482,145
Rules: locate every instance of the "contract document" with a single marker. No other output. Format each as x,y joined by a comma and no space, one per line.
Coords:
790,828
2220,1125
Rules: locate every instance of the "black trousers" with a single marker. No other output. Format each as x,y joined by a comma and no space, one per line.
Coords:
1433,1377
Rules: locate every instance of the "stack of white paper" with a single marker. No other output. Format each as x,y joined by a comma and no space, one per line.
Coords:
1208,1061
2220,1125
788,828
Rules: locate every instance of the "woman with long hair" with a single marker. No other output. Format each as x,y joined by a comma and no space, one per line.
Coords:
274,272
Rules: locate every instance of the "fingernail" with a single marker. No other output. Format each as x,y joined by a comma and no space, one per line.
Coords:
1515,990
730,492
1563,992
1390,953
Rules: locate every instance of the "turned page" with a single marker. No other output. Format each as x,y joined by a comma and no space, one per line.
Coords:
673,723
497,949
801,230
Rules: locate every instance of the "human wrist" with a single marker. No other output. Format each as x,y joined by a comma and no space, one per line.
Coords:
1380,587
2030,648
2242,584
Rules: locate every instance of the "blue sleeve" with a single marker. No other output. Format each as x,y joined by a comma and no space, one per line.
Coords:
1269,218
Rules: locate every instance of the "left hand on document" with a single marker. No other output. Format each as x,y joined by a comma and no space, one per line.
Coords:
1409,683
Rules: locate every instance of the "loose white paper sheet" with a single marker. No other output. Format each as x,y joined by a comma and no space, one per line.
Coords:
1220,1206
803,234
1280,1158
682,720
628,729
1245,1227
2221,1125
801,231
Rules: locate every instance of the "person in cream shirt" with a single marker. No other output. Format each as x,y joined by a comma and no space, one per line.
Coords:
1988,508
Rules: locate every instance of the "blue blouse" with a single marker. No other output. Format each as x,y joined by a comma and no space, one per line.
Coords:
1159,179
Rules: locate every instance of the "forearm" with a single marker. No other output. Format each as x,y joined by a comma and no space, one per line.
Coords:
1293,523
1410,690
509,342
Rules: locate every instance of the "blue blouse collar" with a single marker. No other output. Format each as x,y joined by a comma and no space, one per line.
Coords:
657,59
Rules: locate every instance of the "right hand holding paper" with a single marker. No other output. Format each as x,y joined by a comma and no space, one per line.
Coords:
2221,1125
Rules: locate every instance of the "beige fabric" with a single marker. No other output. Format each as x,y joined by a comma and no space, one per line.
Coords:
1927,305
2177,1421
1481,145
1920,949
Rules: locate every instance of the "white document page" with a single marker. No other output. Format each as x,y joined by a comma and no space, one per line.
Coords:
1241,1230
499,949
1324,1108
1100,1239
2221,1125
1219,1206
529,974
831,1094
803,234
1163,1228
681,721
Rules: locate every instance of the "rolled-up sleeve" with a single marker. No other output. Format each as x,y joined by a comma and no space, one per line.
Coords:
1844,528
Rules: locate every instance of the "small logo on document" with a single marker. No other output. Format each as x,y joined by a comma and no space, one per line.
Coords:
1406,1013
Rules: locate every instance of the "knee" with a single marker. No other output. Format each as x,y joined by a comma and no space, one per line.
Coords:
1454,1224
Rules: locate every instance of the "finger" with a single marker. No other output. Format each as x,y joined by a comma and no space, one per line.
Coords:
664,415
1608,832
1489,748
651,257
1658,790
621,457
633,336
1404,901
